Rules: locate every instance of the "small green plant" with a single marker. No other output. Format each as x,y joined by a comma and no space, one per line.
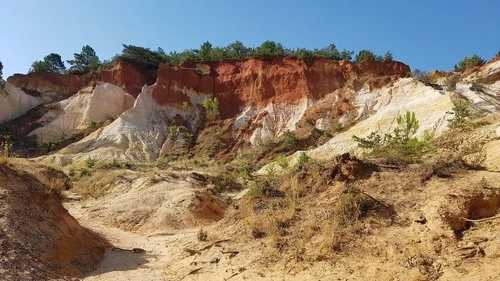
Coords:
462,116
211,106
290,140
282,160
265,188
302,161
202,235
244,169
89,163
399,146
94,125
172,131
186,106
271,171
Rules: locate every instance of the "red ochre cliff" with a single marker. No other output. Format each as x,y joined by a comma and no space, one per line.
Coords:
124,75
238,83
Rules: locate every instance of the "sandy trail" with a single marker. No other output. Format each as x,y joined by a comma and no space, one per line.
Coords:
120,263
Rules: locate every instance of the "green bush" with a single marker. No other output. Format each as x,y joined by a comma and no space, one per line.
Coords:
400,146
462,116
468,62
290,140
269,49
367,55
1,70
282,160
211,106
90,163
302,161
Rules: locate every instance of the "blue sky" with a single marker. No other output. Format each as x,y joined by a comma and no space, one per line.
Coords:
424,34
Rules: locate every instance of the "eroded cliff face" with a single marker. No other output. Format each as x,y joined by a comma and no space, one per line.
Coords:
54,86
254,82
261,99
14,102
271,96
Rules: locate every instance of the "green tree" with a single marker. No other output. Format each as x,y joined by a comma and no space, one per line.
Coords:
468,62
85,62
269,49
388,56
399,146
51,63
497,55
330,52
366,55
237,50
1,70
142,57
346,55
205,51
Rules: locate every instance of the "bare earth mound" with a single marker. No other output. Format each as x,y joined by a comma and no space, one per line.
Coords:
39,240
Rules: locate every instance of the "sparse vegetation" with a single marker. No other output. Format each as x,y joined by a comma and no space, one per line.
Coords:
290,140
90,163
400,146
282,160
462,116
421,76
302,161
202,235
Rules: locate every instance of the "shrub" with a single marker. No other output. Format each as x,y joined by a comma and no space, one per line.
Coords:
282,160
1,70
290,140
305,55
461,116
186,106
302,161
5,152
261,189
399,146
211,106
90,163
271,171
202,235
420,76
367,55
468,62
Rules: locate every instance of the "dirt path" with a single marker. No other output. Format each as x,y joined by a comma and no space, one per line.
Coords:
147,262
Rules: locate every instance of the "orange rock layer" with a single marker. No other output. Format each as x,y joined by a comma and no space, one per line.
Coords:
236,83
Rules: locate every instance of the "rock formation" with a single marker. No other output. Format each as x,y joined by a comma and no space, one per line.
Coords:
14,102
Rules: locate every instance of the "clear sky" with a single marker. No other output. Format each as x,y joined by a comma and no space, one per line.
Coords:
424,34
